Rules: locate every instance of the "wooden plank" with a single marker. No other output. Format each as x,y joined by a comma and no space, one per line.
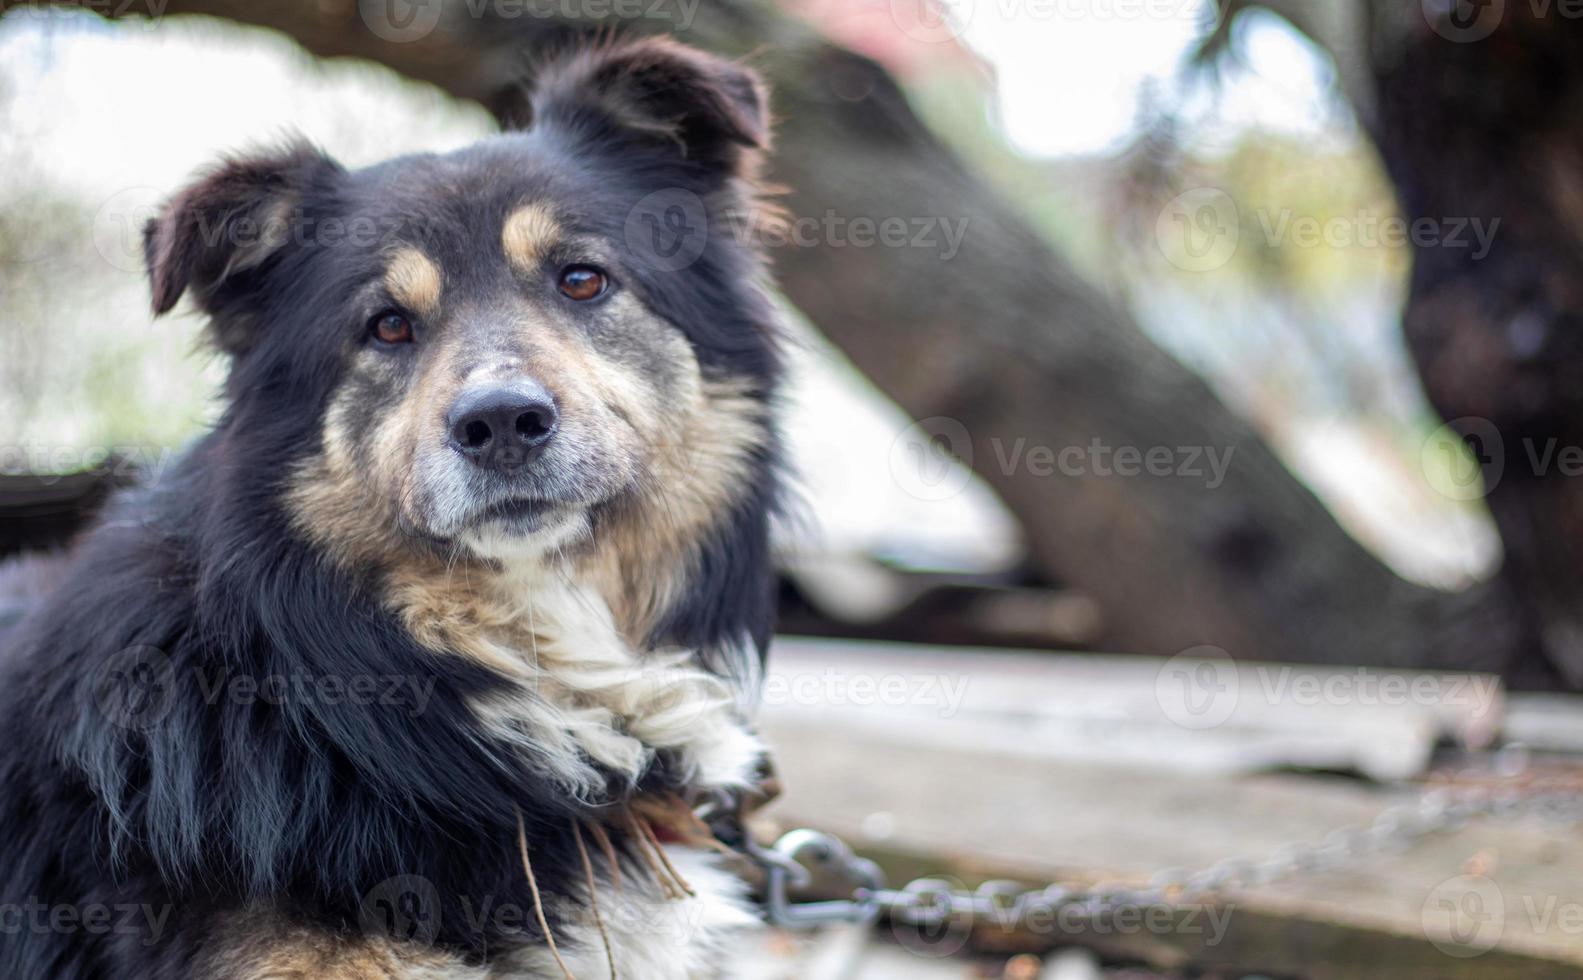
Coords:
920,787
1549,722
1208,715
837,953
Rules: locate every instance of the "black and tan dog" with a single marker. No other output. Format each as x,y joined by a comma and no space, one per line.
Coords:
388,675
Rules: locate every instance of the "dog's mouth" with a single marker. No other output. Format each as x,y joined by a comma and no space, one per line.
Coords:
524,515
558,507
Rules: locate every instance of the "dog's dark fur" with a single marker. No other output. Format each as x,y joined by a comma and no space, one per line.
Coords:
242,833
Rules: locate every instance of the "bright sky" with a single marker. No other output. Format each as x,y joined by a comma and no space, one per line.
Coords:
1071,71
171,96
1070,75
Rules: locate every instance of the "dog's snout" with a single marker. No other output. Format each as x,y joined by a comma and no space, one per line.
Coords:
498,427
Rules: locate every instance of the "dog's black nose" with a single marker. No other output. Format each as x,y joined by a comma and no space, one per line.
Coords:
499,427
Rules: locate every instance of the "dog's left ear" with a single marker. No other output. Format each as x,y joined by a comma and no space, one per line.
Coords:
711,110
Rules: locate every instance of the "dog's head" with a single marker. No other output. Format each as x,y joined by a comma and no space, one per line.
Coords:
550,342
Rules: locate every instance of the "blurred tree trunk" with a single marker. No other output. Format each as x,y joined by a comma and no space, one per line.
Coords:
1480,115
1476,107
1005,339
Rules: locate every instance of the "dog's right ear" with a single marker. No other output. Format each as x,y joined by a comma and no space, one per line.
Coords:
228,222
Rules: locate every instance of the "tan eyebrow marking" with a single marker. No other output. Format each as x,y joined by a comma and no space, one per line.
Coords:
415,281
528,234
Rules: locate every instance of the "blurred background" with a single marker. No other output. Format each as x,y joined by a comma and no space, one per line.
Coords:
1223,346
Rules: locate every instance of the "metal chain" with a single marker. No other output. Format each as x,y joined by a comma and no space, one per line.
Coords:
798,856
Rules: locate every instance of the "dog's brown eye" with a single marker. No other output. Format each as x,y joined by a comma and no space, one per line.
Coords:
582,282
391,328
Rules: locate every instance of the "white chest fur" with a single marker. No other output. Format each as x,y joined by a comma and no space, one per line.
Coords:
651,937
587,699
590,704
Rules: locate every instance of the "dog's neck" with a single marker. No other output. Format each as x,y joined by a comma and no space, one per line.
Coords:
589,700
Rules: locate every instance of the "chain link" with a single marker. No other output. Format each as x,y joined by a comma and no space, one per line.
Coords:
932,902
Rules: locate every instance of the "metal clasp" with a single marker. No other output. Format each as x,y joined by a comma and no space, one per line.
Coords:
803,862
810,862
